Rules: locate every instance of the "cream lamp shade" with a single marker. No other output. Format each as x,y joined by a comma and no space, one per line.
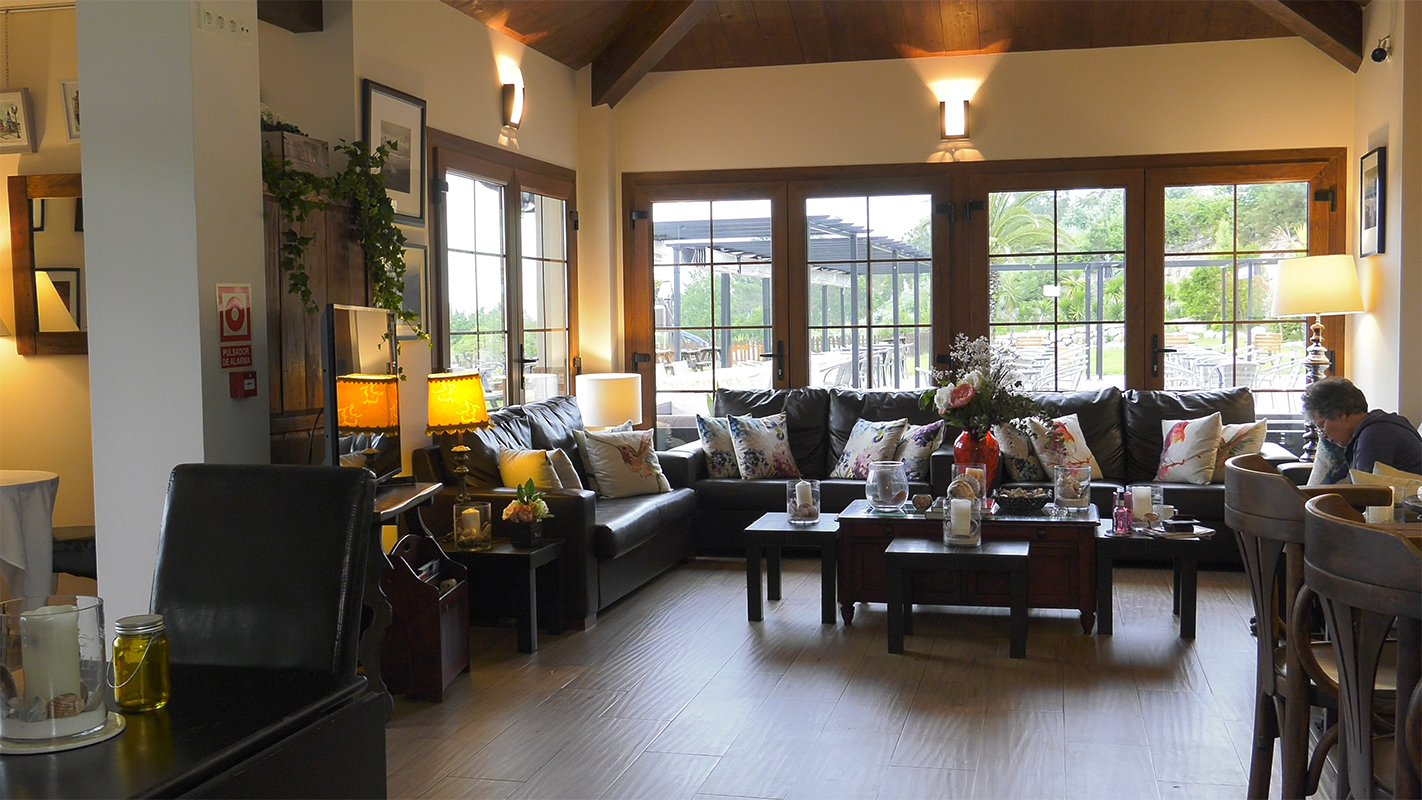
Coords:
456,403
1317,285
610,398
367,403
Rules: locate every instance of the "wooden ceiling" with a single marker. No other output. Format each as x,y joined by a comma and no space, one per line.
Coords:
624,39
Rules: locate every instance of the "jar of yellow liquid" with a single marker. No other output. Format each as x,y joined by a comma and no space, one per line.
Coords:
141,681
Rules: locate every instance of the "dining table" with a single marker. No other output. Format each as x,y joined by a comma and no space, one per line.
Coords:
27,530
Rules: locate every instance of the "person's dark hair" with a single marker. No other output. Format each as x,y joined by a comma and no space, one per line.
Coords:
1331,398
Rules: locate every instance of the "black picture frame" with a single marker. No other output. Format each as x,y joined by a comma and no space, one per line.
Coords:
395,112
416,295
1372,203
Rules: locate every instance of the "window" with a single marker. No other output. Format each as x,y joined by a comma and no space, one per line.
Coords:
504,236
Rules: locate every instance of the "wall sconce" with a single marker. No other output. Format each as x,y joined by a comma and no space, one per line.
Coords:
954,120
513,105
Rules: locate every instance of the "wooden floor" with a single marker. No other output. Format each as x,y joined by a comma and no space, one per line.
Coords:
674,694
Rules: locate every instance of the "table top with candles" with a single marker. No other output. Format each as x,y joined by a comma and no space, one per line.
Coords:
860,509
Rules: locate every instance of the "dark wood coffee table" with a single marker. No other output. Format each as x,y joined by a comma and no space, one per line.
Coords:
523,564
1061,570
1183,553
774,531
904,557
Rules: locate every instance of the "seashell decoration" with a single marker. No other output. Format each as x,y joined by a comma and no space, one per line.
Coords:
7,685
963,489
65,705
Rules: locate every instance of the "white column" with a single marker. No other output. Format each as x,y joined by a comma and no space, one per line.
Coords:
172,196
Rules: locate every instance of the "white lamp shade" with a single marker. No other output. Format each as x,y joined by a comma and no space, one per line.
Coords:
1317,285
610,398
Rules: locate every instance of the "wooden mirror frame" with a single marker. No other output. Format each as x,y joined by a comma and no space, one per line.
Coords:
29,339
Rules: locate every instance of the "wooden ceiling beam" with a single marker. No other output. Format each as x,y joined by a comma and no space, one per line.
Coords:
297,16
1333,26
645,41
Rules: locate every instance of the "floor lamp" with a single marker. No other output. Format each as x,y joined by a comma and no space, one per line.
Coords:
1314,286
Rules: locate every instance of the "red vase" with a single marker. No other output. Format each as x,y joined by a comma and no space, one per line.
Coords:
971,448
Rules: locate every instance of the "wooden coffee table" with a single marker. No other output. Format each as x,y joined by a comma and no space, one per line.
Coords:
908,560
1183,553
1061,570
773,531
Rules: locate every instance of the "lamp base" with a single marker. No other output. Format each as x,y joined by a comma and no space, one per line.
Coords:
1316,365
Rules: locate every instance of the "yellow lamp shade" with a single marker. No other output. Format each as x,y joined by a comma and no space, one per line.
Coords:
456,403
1317,285
610,398
367,403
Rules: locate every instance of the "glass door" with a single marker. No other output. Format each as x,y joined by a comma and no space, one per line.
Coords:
547,346
475,259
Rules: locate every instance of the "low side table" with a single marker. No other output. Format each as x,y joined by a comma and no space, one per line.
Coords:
1184,555
905,556
774,531
523,564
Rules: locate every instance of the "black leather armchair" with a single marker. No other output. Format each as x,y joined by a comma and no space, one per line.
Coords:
264,566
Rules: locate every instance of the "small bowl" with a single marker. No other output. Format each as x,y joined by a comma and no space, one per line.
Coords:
1022,501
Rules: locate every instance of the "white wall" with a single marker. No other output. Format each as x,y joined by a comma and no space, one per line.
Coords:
1386,342
44,400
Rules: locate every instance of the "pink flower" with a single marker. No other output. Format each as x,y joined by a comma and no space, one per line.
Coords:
961,395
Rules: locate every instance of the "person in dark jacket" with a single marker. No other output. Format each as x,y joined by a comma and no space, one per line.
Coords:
1340,412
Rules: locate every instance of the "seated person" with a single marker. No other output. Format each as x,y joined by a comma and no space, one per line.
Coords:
1340,412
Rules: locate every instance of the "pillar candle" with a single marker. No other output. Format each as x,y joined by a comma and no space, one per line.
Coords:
979,476
960,517
803,495
49,651
1140,501
469,520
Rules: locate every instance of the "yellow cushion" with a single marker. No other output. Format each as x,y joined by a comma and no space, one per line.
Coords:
517,467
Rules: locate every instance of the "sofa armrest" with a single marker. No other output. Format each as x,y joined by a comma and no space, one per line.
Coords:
940,468
1297,472
1277,454
683,465
1356,496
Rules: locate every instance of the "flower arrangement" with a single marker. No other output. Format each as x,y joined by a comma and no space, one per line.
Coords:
528,505
982,389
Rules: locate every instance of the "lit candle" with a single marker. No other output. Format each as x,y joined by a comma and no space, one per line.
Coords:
49,650
979,476
960,517
803,495
1140,501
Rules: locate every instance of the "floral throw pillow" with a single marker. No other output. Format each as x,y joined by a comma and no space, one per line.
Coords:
1073,451
1238,440
715,435
762,447
868,442
1189,452
625,464
1329,467
916,446
1017,455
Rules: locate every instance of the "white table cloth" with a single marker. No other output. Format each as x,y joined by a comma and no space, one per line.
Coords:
27,530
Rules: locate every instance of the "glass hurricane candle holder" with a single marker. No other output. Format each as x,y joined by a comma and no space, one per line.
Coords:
975,475
1071,487
802,501
53,663
887,485
473,525
963,523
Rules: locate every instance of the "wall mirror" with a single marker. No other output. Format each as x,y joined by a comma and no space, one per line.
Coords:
47,257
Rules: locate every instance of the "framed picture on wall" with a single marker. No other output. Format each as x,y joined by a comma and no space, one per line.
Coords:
395,117
416,289
37,211
1372,205
69,90
67,285
17,126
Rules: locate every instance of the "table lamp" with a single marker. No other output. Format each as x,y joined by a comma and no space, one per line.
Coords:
368,404
610,398
456,405
1314,286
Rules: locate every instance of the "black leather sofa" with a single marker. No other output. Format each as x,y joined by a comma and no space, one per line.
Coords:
611,546
819,422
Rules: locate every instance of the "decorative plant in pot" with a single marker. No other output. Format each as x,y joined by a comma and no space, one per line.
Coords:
981,390
526,514
362,185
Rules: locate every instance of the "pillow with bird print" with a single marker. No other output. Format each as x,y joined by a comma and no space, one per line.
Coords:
625,464
1072,453
1189,452
868,442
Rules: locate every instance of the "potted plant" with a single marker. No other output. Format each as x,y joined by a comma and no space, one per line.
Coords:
525,515
981,389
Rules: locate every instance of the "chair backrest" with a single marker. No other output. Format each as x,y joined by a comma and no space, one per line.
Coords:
265,565
1259,501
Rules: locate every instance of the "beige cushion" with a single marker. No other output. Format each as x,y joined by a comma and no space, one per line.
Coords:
762,447
580,437
625,464
1408,482
517,467
1017,456
1076,453
1243,439
868,442
1189,452
563,466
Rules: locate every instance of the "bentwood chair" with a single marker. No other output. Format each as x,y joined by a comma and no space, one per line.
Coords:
1266,512
1366,578
264,566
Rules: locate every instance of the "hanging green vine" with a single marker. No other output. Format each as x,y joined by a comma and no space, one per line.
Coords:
362,185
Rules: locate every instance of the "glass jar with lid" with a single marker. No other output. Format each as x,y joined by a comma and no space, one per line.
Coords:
141,681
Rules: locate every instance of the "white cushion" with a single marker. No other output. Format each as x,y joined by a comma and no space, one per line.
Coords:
517,467
580,437
868,442
1189,452
762,447
1243,439
1383,475
625,463
715,435
917,445
1017,456
563,466
1075,453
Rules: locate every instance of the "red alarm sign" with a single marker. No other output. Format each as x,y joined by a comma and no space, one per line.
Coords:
234,327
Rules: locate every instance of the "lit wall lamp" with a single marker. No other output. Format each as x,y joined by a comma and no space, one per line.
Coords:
954,119
513,105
